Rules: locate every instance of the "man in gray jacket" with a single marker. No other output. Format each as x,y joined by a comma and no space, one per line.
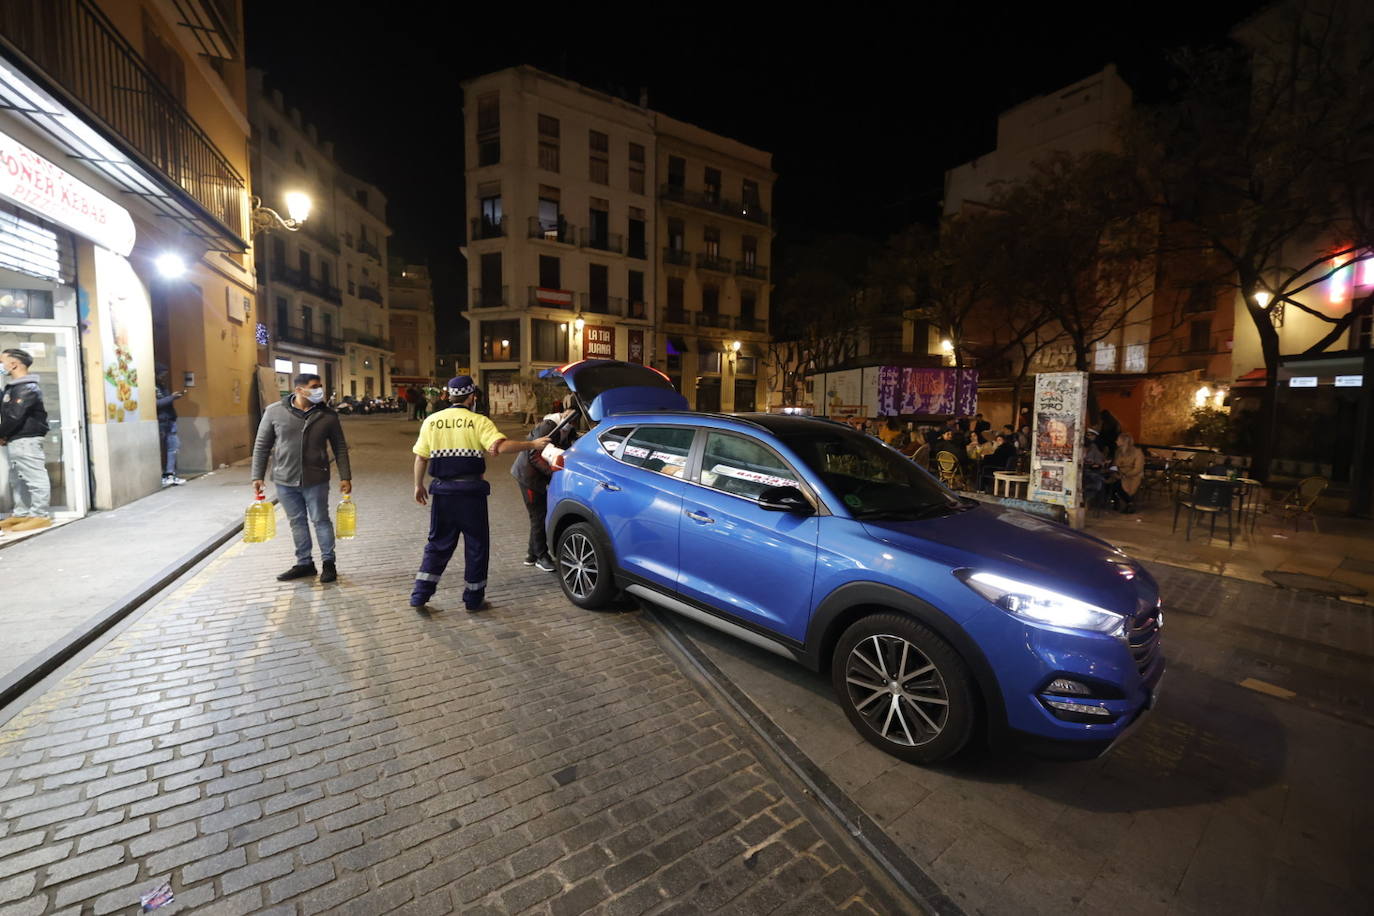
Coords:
298,433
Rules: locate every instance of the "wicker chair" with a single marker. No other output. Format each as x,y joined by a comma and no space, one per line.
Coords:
951,475
922,456
1300,500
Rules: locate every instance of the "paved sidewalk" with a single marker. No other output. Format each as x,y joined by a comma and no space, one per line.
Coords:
302,748
58,580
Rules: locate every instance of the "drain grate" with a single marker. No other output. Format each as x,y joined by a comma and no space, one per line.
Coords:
1303,582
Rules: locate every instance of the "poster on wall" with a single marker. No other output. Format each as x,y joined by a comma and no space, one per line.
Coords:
1058,414
841,394
935,392
635,350
503,392
126,347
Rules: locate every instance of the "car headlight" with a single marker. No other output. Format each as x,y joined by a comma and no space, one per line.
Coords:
1040,605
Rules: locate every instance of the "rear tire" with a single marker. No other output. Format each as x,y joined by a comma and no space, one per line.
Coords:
584,566
904,688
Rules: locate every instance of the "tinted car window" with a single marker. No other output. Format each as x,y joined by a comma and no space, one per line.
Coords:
659,448
872,480
734,464
610,440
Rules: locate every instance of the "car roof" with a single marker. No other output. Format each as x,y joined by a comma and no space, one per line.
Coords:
777,424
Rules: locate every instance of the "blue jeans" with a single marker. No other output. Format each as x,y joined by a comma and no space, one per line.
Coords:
305,506
171,444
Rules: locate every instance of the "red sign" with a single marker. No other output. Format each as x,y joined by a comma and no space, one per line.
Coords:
636,347
598,342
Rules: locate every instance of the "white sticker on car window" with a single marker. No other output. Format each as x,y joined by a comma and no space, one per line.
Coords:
634,451
768,480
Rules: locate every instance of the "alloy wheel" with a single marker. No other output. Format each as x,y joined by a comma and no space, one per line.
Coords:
577,565
897,689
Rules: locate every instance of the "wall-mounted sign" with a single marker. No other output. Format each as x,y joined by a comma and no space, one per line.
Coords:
598,342
635,351
1303,381
38,185
1349,381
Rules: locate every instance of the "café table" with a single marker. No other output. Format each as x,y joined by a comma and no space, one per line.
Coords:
1247,496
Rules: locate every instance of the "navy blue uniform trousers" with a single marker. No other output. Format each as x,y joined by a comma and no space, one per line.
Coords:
456,508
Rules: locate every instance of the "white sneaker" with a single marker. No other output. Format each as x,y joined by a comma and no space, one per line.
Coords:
166,480
176,481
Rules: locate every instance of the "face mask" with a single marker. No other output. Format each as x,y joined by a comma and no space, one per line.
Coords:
4,370
314,395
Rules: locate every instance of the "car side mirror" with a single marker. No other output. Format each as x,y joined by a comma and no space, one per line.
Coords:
785,499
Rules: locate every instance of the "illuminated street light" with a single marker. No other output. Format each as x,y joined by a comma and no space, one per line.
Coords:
170,265
265,219
579,323
946,345
1262,298
735,346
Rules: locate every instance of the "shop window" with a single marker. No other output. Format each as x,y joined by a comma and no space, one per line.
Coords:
500,341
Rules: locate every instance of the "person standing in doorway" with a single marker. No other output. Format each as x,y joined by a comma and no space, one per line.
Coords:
298,433
23,425
452,447
167,427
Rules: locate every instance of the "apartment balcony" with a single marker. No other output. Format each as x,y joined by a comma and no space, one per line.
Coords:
605,241
376,341
370,249
713,263
309,337
715,320
603,305
678,256
713,202
490,298
753,325
636,249
752,271
143,139
541,298
214,25
322,234
370,293
306,283
637,310
559,232
677,316
483,228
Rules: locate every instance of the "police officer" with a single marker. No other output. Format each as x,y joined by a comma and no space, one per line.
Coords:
453,444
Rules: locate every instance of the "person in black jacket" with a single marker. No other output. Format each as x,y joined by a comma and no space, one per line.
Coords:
167,427
23,424
533,473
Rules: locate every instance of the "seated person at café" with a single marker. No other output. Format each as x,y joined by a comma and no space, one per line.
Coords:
1001,458
893,433
1095,474
948,442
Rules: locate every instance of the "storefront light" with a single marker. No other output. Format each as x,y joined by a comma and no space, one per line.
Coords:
170,265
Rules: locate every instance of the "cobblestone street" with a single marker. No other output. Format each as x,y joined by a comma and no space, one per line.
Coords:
303,748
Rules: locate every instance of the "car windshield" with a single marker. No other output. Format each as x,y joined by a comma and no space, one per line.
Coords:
873,481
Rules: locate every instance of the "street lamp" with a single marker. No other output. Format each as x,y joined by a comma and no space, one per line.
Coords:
579,323
265,219
1262,298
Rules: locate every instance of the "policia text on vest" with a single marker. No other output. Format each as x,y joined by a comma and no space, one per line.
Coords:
452,447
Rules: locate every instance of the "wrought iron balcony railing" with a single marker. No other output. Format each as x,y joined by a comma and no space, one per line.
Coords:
80,51
552,232
713,262
294,277
704,200
483,228
309,337
604,241
714,320
678,256
677,316
603,305
490,298
370,249
371,293
757,325
375,341
753,271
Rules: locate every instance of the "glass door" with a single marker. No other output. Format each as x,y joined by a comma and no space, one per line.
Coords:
55,364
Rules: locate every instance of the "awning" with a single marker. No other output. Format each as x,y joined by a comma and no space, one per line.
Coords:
677,345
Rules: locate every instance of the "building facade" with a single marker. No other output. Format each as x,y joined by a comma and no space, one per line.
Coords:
560,192
411,300
322,289
126,244
715,269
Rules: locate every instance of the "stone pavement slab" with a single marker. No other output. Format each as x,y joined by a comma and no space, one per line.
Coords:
59,579
303,748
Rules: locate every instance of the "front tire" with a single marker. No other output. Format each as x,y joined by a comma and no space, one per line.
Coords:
584,566
904,688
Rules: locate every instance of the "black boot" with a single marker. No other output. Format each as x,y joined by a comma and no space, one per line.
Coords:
298,571
328,573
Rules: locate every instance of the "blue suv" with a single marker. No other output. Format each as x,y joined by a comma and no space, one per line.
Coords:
937,617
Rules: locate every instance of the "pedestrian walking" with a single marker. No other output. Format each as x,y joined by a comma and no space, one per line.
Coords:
452,447
298,433
416,399
532,472
531,405
167,427
23,425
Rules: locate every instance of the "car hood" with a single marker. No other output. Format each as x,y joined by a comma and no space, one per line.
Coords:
1032,549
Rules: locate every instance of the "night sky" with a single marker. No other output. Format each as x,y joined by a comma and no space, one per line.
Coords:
862,109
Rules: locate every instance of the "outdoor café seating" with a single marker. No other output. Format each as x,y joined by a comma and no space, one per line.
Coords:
1208,496
1298,503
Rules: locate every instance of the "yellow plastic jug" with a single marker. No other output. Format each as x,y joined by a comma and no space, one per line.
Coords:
346,518
260,521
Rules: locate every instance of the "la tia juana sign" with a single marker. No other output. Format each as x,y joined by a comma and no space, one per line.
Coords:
36,184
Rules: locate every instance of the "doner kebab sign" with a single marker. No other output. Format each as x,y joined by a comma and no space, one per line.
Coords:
36,184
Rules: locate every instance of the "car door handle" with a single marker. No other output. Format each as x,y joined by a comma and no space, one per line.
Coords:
607,485
699,517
